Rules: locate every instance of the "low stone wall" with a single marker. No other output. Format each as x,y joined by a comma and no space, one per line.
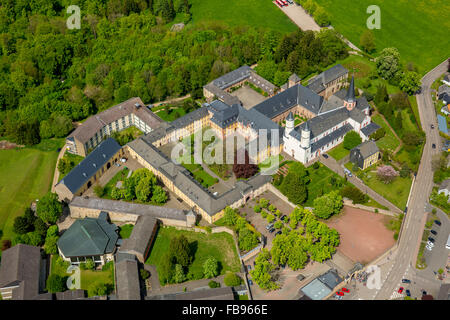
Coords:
252,253
349,203
280,195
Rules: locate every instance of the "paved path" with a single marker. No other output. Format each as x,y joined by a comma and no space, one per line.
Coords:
300,17
171,100
56,174
414,221
333,165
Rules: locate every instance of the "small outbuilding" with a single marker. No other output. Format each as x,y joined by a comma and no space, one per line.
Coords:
365,155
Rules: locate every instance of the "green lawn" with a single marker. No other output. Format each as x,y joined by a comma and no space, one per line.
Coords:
255,13
172,115
26,175
120,176
416,28
125,231
338,152
76,160
219,245
58,266
389,141
396,192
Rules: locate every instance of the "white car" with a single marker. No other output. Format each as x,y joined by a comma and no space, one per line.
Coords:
431,244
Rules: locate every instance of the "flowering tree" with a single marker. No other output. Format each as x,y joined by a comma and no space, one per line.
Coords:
386,174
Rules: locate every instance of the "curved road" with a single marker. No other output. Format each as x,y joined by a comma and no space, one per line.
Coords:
414,220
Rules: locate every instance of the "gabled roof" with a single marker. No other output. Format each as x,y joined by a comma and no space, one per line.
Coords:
90,165
21,267
140,236
232,77
95,123
294,78
350,97
366,149
88,237
370,128
127,276
319,82
223,114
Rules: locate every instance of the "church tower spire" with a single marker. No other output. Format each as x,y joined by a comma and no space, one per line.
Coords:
350,100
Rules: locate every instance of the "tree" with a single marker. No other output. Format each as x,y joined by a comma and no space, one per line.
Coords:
377,135
99,190
232,280
381,94
246,169
386,174
327,205
211,267
179,249
353,194
351,140
144,274
98,288
367,41
213,284
56,283
49,208
90,264
257,208
144,189
321,16
159,195
264,203
230,217
179,273
247,240
410,82
262,273
51,244
22,226
294,184
388,63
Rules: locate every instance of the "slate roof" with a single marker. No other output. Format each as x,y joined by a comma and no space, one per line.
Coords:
128,207
223,293
95,123
342,131
89,237
140,236
127,277
350,97
319,82
183,180
189,118
233,77
294,78
77,294
222,94
283,101
367,148
331,279
324,122
222,114
370,128
21,266
79,175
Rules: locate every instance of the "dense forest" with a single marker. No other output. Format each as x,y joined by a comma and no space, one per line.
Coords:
51,75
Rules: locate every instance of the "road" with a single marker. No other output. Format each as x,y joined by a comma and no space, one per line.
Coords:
414,222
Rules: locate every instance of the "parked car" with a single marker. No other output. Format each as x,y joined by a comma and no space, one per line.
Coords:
433,146
283,217
432,126
433,232
250,282
347,172
429,243
437,222
339,293
300,277
429,248
325,156
431,239
400,290
345,290
406,281
408,293
271,230
269,226
338,297
278,232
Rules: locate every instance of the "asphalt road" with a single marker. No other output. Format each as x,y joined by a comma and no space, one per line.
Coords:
414,220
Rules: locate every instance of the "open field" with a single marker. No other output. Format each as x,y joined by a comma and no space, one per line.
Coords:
417,28
363,234
27,175
255,13
219,245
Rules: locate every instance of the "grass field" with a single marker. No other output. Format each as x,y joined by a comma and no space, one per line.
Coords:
389,141
26,175
125,231
338,152
219,245
255,13
417,28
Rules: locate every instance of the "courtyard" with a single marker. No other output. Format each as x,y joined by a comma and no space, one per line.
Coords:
363,234
248,97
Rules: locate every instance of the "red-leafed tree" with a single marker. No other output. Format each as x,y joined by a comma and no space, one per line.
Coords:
244,170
